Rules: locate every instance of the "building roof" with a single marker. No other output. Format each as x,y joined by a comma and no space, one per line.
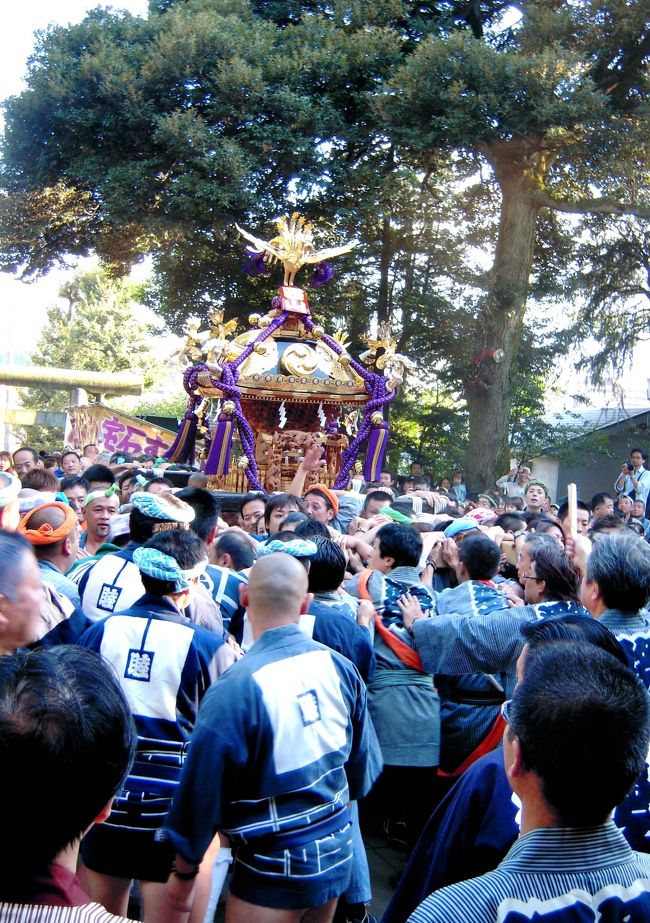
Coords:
599,418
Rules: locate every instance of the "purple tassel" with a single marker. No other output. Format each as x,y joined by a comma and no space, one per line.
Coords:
218,460
254,265
323,272
375,451
182,448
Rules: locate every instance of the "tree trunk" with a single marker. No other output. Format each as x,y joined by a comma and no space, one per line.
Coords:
383,296
488,390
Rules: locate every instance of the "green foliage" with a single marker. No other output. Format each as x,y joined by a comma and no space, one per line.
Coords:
173,405
429,420
169,127
441,138
455,92
428,424
612,272
97,331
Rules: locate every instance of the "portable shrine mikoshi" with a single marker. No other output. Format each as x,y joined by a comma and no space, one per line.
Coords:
271,392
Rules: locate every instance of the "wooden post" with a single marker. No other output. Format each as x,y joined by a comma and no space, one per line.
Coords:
572,494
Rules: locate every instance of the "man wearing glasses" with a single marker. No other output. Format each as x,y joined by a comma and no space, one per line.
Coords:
490,641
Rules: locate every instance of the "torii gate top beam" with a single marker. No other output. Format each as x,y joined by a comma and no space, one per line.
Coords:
29,376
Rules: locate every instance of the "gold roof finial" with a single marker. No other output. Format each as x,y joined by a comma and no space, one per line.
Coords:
293,246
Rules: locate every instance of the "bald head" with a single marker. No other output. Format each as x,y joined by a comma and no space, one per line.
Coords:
198,479
47,515
52,530
276,592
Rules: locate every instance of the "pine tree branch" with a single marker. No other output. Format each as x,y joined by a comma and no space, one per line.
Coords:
599,206
617,72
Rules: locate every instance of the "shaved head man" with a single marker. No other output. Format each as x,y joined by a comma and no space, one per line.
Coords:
276,593
52,530
296,712
99,508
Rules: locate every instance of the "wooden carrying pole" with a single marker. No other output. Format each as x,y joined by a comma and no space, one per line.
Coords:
572,494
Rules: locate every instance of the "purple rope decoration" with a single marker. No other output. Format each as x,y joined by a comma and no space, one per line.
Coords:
227,384
368,377
190,377
184,445
275,324
378,401
376,386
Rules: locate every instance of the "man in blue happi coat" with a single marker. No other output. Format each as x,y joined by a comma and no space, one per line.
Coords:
578,728
165,665
616,590
403,700
330,618
277,776
469,703
478,821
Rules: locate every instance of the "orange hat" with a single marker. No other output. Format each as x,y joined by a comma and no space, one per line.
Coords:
47,534
329,495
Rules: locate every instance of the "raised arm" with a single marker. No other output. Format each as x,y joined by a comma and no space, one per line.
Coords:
312,461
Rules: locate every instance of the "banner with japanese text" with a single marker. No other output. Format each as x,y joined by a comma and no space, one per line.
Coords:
114,431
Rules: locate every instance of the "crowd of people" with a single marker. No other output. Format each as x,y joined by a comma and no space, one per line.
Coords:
204,701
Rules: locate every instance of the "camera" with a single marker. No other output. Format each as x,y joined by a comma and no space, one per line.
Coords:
630,467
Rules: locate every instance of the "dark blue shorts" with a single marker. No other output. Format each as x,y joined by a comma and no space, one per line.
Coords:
290,879
131,844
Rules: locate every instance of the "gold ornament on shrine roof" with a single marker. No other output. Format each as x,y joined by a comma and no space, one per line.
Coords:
384,340
341,338
382,355
293,246
299,359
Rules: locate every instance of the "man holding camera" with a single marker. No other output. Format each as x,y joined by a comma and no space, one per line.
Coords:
514,483
634,479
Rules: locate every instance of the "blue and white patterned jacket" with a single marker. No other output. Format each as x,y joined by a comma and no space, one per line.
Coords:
283,742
